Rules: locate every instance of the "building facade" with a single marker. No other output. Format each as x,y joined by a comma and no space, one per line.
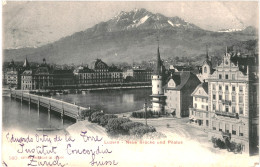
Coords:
12,75
101,73
27,82
178,91
137,75
199,114
233,102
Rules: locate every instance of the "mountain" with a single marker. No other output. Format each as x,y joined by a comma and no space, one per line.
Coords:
132,36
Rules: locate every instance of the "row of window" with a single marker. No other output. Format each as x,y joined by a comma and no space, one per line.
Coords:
205,107
201,99
226,128
200,114
233,108
227,88
220,97
233,76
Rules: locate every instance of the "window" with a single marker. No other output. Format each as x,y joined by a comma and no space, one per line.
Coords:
202,106
226,87
219,76
233,76
226,97
214,97
195,98
207,108
220,126
220,97
220,107
226,76
233,109
214,106
241,110
157,86
240,99
195,105
241,131
233,98
219,87
241,89
233,88
205,69
227,128
234,130
213,86
227,109
213,125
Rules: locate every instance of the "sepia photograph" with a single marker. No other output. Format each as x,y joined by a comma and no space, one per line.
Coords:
130,83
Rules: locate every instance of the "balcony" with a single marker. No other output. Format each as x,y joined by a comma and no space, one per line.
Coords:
226,102
227,114
226,134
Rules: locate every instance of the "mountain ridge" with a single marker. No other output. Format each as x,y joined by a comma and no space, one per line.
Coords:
131,36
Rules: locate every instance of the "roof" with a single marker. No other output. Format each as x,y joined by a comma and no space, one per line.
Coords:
27,72
180,79
26,63
203,85
158,66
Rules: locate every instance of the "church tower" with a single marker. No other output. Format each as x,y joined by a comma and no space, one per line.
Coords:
158,98
206,68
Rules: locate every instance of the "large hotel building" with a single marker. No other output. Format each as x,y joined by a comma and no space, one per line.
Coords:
233,101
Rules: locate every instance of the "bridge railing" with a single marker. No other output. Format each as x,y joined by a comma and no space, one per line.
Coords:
69,108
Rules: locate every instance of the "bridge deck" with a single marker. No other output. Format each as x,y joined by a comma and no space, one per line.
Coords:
68,109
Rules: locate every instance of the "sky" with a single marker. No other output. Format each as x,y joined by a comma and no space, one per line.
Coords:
37,23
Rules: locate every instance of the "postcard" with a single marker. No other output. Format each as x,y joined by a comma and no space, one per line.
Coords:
138,83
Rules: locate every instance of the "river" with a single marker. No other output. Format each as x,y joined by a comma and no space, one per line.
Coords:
25,118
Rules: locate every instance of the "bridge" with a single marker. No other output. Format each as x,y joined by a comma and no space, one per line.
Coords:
61,107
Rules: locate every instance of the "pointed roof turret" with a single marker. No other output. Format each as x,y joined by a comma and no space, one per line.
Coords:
158,67
26,63
207,53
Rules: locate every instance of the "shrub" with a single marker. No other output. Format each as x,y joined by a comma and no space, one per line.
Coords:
154,135
141,130
129,125
138,114
114,128
105,118
220,143
95,117
90,113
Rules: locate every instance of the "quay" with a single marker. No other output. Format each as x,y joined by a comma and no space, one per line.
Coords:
61,107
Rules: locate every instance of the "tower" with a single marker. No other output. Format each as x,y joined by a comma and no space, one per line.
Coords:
206,67
158,98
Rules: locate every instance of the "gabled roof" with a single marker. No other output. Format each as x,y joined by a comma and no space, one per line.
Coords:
203,85
180,79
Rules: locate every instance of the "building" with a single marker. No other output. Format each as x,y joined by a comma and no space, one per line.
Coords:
27,82
199,114
178,91
100,73
62,77
233,101
205,69
43,77
12,75
158,98
137,75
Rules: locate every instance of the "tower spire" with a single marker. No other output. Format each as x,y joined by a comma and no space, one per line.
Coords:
207,53
158,69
